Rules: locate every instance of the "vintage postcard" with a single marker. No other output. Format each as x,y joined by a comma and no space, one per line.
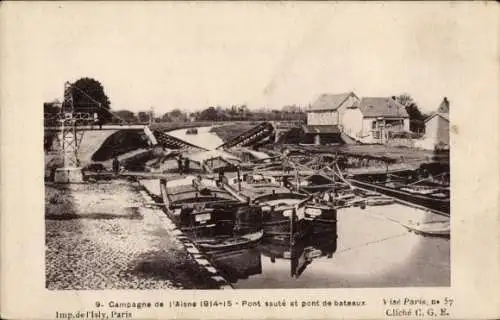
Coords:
274,160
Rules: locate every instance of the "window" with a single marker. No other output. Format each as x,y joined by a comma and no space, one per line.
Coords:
374,125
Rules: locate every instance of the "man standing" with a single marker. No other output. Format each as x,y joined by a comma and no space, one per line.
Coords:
179,164
186,165
116,165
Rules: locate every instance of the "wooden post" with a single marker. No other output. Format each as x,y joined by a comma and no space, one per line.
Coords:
239,179
297,178
292,227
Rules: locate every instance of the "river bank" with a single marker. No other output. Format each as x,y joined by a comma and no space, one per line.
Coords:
103,236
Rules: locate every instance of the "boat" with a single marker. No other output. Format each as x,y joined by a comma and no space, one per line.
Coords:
192,131
229,241
434,228
278,212
315,183
421,192
379,201
320,219
253,157
213,161
283,210
210,216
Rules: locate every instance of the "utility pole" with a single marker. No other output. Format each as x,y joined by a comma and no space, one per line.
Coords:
69,140
151,116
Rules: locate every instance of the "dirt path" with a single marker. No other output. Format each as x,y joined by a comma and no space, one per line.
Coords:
101,236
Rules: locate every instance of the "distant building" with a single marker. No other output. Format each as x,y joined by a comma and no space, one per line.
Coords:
437,129
324,117
375,120
328,109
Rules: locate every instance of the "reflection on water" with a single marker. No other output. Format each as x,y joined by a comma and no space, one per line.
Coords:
301,253
240,264
371,251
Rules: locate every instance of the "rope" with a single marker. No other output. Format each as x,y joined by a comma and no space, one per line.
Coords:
374,242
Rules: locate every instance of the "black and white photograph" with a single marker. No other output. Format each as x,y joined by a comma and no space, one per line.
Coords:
209,183
191,148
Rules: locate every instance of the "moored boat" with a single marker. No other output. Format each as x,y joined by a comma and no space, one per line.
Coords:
427,186
278,215
315,183
284,212
229,242
209,215
431,197
435,228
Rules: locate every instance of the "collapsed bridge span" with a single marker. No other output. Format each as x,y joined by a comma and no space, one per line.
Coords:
172,142
257,135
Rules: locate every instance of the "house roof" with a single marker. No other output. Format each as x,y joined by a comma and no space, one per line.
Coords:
382,107
321,129
445,116
327,101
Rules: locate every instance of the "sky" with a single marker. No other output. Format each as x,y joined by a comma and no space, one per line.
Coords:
195,55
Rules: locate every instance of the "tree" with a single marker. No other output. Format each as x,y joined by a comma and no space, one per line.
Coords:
126,115
88,94
291,109
143,116
209,114
178,115
175,115
52,107
405,100
166,117
417,123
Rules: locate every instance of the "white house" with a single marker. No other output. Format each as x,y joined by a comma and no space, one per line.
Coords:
437,128
324,117
374,120
328,109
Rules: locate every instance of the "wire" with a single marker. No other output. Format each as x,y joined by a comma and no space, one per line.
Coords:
99,104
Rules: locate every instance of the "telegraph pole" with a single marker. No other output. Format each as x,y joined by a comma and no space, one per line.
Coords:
71,171
151,116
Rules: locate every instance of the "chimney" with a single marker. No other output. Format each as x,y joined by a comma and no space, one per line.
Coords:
393,98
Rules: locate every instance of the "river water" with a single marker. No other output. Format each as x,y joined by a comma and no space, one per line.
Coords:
204,138
373,249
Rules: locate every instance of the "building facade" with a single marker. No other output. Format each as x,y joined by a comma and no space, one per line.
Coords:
437,128
328,109
324,117
437,132
375,120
